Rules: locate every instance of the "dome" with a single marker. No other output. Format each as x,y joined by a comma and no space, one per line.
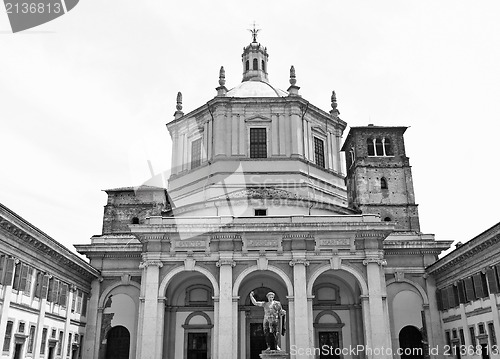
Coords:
254,88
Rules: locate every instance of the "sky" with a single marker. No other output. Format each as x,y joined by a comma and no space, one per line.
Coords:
84,99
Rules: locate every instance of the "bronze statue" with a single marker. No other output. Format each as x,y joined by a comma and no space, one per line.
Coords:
274,317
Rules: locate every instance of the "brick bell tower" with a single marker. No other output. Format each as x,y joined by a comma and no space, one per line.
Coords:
379,179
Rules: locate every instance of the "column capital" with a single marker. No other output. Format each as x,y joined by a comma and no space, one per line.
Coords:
295,261
364,297
379,261
150,262
224,262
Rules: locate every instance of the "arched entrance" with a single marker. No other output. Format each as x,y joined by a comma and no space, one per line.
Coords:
251,339
410,341
118,343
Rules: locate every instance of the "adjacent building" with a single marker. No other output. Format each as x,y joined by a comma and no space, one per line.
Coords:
468,289
44,291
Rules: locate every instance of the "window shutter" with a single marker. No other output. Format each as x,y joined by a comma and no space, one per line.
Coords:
492,280
451,297
461,292
84,304
439,299
444,298
29,276
484,284
478,286
469,289
55,291
24,275
3,258
45,287
9,271
63,295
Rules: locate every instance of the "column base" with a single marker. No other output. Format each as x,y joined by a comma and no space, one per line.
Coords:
274,354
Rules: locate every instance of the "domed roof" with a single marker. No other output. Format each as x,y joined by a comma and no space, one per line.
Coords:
255,88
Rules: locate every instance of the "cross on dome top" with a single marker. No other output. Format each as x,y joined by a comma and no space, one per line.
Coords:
254,32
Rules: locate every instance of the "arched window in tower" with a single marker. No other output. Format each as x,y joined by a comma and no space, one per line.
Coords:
263,66
247,65
383,183
379,147
371,147
388,147
135,220
255,64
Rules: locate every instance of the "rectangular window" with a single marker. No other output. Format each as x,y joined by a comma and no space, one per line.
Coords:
472,336
319,152
44,341
196,153
31,339
60,343
8,336
20,329
462,337
444,298
27,284
480,327
81,347
448,339
38,285
258,143
68,350
260,212
17,276
491,330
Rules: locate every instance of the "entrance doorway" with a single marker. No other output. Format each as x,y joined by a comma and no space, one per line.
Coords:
257,340
328,342
410,341
118,343
18,350
197,346
51,353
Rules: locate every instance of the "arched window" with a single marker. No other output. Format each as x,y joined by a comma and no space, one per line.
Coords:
388,147
387,219
247,65
383,183
255,64
379,147
371,147
135,220
263,66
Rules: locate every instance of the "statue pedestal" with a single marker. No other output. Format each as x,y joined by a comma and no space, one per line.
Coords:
274,354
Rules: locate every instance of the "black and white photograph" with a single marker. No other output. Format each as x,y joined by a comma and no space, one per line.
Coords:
249,180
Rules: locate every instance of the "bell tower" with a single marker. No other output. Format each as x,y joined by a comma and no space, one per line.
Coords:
379,179
254,59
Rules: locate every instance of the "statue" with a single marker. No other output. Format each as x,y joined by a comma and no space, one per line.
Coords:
274,318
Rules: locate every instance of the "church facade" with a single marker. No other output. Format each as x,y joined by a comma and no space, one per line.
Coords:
260,199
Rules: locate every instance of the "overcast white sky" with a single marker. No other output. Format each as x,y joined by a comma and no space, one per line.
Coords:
84,99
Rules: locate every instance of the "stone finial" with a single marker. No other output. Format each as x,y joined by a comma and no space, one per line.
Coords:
293,90
222,90
222,76
293,80
179,112
179,101
334,110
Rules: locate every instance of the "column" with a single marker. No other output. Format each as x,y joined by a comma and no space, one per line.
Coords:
274,135
339,165
366,321
39,329
296,135
226,336
215,342
380,333
160,326
64,344
235,326
310,315
301,319
151,272
496,317
219,136
91,328
291,321
282,134
235,136
435,333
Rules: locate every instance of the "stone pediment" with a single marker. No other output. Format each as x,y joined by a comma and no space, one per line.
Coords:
257,119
